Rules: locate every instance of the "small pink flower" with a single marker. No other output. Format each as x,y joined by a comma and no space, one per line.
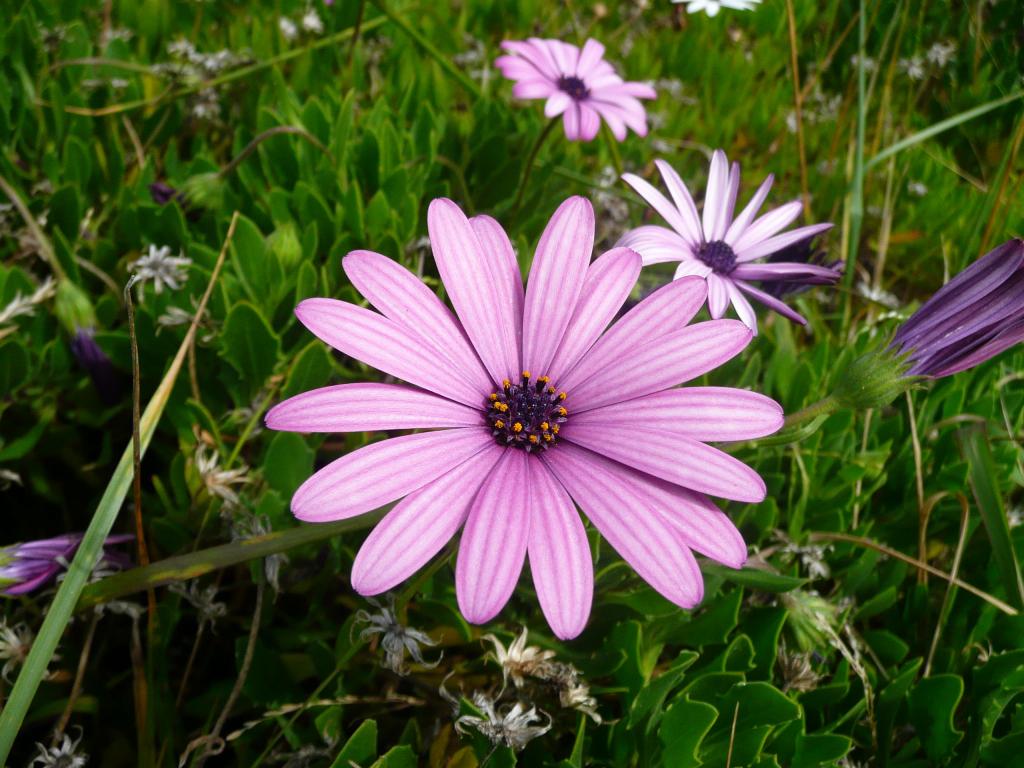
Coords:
723,247
578,84
534,408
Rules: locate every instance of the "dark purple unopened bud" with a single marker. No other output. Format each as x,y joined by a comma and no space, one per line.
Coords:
96,363
971,319
163,193
34,564
802,252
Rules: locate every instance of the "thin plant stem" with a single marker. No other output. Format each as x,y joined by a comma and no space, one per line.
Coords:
213,744
355,32
824,406
856,204
45,246
76,687
860,480
277,130
312,697
531,158
922,514
863,542
613,148
798,106
142,701
947,600
189,664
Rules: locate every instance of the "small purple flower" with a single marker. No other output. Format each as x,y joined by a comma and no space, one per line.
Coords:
974,317
96,363
33,564
163,193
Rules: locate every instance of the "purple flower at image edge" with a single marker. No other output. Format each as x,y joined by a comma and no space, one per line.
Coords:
96,363
722,247
971,319
577,84
536,408
30,565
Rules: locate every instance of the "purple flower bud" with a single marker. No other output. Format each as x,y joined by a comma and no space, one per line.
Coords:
974,317
33,564
96,363
163,193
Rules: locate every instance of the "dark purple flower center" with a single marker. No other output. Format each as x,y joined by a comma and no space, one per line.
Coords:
718,255
527,414
573,86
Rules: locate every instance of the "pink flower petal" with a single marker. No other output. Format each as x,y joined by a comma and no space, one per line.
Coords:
571,121
622,512
697,521
678,459
612,118
718,295
386,346
509,280
533,89
590,123
556,279
692,268
368,408
419,526
744,311
590,57
557,103
494,542
767,225
715,197
376,474
683,200
771,302
631,369
560,560
660,203
656,244
607,285
401,296
472,278
710,414
777,243
529,53
740,223
666,310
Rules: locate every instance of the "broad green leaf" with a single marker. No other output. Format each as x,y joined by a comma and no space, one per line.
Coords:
683,728
933,704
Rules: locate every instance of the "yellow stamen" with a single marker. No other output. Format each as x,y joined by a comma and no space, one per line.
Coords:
499,424
544,426
562,412
551,390
544,379
555,429
506,383
493,396
548,438
533,439
517,427
562,395
526,374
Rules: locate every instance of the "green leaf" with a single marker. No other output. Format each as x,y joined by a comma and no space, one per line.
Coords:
933,704
249,345
360,748
310,370
397,757
683,728
820,749
287,463
653,694
14,366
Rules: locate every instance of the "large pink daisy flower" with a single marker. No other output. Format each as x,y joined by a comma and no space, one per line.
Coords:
578,84
534,409
723,248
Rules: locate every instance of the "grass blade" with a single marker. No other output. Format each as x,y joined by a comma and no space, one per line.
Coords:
985,486
59,613
941,126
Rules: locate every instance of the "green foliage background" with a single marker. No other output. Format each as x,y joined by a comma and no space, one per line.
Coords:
899,669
